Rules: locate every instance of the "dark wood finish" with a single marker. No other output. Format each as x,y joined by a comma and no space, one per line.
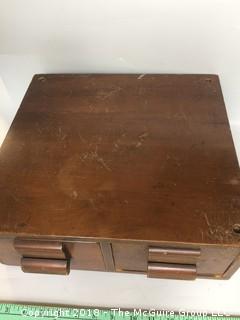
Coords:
46,266
172,271
110,165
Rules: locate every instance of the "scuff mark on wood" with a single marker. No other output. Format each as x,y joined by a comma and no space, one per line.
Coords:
93,155
105,94
141,76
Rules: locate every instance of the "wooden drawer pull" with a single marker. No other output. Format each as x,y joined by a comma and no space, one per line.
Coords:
46,266
172,271
173,255
40,249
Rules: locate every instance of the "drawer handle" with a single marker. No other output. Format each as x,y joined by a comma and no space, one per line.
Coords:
173,255
40,249
46,266
172,271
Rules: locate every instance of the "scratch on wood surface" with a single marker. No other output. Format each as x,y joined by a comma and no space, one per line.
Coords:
116,146
216,231
119,142
207,221
105,94
60,134
93,155
92,202
103,163
42,79
143,135
234,181
141,139
138,144
12,195
141,76
91,108
81,138
74,194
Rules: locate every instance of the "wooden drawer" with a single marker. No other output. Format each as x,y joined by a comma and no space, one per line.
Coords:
173,263
155,260
176,262
48,266
173,255
45,256
172,271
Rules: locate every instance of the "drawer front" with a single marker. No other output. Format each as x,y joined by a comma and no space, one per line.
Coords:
154,260
173,255
174,262
47,266
172,271
37,248
56,257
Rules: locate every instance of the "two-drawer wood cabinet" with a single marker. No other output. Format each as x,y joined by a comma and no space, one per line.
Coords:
152,259
121,173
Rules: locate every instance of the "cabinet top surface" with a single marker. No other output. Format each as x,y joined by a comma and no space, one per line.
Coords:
145,157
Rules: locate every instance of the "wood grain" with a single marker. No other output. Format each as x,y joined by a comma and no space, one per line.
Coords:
125,162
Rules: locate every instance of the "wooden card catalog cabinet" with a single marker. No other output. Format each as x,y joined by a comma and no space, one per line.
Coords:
121,173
